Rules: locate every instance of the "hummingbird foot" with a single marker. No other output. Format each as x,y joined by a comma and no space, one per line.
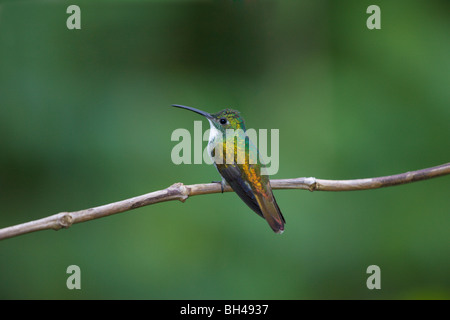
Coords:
223,183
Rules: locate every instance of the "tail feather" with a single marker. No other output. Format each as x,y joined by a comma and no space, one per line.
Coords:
271,212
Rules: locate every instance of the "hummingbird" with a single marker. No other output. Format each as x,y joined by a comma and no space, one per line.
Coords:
239,164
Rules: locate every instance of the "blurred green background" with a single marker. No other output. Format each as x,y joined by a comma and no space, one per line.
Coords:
85,120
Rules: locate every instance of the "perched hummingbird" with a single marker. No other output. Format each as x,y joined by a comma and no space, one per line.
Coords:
243,176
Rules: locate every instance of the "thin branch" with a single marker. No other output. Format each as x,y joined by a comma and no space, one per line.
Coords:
179,191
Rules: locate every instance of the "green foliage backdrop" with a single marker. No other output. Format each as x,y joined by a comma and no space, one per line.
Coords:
85,120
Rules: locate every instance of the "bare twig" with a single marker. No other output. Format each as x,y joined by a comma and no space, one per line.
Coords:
179,191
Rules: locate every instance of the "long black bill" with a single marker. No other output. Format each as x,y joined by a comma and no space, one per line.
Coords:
203,113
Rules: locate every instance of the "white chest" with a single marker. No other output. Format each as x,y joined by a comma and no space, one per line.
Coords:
215,136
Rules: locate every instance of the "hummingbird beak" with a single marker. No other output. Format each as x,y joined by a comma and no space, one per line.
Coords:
203,113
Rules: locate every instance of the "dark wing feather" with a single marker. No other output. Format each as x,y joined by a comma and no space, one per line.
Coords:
233,176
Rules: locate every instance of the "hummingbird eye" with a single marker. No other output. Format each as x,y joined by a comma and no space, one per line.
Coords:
223,120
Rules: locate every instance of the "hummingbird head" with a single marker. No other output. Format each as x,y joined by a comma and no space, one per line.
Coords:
222,120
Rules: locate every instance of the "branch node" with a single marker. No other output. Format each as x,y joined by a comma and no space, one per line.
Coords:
180,189
64,221
312,184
